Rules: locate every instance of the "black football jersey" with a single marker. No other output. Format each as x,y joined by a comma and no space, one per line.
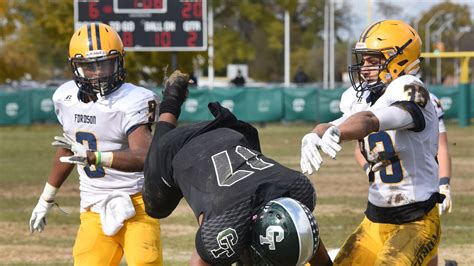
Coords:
215,165
218,168
217,171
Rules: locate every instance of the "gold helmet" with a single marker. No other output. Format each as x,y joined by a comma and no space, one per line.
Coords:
96,55
397,45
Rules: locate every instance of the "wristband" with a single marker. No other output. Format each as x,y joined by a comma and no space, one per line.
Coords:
107,159
444,180
49,192
170,105
98,158
104,158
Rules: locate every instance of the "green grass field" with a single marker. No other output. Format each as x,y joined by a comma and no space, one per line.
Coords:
26,158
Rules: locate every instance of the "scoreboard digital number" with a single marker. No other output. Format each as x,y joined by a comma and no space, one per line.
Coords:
149,25
140,6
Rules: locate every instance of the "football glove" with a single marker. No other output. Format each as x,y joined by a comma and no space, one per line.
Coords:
330,144
79,150
310,145
38,216
310,157
447,204
175,93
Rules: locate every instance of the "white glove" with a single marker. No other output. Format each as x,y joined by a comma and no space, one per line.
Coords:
330,142
38,216
79,150
447,203
310,156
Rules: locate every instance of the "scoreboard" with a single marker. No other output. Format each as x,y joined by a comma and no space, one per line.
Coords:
149,25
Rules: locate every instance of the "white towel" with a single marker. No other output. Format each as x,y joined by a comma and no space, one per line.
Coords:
114,210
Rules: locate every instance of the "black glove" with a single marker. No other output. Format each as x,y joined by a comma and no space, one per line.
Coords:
175,93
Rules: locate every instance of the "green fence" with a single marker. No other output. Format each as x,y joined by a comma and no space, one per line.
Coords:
249,104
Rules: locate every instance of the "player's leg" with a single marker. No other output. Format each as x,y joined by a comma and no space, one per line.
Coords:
141,237
413,243
362,246
92,246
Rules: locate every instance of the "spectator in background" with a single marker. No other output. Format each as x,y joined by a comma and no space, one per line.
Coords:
239,80
300,76
194,79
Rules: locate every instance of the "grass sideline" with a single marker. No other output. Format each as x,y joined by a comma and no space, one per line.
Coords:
26,158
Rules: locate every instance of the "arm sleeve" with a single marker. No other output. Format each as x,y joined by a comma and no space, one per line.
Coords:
340,120
401,115
160,194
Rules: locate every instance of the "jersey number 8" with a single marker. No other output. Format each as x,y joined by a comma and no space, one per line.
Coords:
89,139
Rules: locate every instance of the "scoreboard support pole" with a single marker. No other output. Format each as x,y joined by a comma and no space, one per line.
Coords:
174,61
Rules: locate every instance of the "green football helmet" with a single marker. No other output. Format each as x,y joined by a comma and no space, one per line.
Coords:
285,232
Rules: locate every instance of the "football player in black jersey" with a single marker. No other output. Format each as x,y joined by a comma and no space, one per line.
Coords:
250,208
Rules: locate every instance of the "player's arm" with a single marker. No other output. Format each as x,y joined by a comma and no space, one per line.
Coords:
321,257
398,116
444,159
444,162
59,173
130,160
359,157
160,194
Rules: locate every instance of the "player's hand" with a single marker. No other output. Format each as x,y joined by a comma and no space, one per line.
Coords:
378,159
447,204
310,157
176,86
330,142
79,150
38,216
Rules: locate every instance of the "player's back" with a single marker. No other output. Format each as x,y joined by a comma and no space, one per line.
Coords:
217,170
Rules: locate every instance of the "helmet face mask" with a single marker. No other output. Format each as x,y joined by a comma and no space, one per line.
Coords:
399,47
96,56
284,232
365,73
98,75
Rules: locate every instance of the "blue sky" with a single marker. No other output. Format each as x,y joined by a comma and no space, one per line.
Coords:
410,9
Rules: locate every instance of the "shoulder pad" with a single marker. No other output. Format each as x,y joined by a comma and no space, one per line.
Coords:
131,97
67,92
408,88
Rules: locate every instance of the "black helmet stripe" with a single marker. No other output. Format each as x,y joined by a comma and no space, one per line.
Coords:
366,33
97,36
89,37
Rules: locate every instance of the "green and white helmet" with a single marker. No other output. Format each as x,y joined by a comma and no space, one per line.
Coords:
285,233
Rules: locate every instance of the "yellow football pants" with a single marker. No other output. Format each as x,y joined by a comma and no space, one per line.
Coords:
413,243
138,239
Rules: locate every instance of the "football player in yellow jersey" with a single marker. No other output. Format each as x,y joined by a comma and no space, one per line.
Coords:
107,132
389,111
444,161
